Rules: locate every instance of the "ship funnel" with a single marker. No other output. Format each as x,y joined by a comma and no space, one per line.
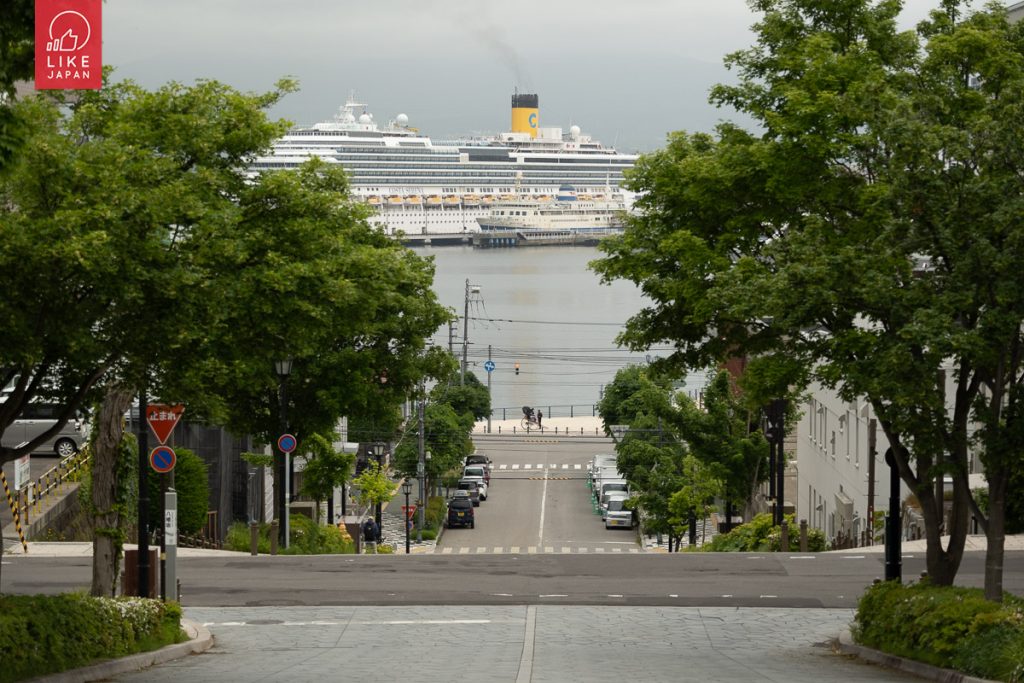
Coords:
525,115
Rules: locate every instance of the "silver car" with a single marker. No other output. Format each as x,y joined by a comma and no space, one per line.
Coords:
37,419
617,516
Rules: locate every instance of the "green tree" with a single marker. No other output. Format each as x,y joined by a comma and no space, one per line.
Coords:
628,394
17,63
373,486
472,397
446,437
864,238
697,495
326,469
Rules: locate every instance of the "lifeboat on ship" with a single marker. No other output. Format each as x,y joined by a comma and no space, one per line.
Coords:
433,200
373,201
395,200
470,200
451,200
413,200
487,199
507,197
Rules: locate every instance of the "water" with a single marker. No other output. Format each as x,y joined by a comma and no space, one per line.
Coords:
543,309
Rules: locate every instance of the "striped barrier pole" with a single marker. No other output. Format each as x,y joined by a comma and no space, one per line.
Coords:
14,510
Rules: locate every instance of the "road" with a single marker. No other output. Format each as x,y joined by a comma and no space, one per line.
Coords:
538,502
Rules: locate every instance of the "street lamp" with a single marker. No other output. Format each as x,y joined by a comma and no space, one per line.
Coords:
283,369
407,489
378,454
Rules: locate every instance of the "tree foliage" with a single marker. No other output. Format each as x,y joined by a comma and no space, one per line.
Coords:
325,470
866,237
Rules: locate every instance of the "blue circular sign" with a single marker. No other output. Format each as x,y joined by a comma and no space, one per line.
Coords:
162,459
489,366
286,443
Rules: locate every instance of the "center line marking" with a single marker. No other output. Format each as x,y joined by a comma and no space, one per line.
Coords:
543,500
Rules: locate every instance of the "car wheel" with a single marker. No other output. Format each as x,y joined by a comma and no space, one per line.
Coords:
65,448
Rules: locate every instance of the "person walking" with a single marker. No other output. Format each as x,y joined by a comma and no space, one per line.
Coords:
540,417
371,536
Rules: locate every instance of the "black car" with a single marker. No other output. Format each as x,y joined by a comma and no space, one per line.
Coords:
460,513
479,459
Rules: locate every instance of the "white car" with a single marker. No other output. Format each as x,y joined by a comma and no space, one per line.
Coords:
617,516
479,474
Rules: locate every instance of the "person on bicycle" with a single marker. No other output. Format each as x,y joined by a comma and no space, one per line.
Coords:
528,413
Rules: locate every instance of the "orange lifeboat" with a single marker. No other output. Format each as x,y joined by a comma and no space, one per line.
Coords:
470,200
414,200
395,200
434,200
451,200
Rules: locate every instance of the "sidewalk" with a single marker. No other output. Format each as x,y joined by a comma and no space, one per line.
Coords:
974,542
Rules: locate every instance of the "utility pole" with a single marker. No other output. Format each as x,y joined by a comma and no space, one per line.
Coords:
872,454
489,373
465,336
421,469
142,556
451,337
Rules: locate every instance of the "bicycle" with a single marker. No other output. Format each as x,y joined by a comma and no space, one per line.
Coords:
529,420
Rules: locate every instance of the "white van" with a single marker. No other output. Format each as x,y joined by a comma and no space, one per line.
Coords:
38,418
610,487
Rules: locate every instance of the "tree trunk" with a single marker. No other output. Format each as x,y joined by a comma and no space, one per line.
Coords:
942,563
995,535
107,538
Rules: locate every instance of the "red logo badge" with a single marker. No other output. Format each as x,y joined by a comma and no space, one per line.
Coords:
68,45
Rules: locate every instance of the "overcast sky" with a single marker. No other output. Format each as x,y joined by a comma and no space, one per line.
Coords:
626,71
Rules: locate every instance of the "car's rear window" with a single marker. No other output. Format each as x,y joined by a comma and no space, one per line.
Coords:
474,472
460,504
616,505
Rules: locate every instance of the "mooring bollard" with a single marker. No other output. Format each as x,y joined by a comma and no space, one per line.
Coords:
803,535
254,538
273,537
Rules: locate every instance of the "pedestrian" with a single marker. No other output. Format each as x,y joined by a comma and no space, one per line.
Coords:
371,534
540,416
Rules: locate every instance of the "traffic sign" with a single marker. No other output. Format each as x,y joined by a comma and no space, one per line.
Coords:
162,459
163,418
409,510
489,365
286,443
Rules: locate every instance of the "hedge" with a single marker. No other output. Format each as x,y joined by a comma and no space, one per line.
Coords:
43,634
949,627
759,535
307,538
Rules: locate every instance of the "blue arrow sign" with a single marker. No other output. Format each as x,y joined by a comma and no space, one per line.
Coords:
489,365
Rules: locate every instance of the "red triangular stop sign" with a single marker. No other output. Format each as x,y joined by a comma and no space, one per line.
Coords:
162,418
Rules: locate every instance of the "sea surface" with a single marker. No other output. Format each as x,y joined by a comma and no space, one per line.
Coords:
544,309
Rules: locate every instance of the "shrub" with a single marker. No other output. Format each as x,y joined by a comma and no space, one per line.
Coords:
306,536
946,626
42,634
429,534
192,486
759,535
437,508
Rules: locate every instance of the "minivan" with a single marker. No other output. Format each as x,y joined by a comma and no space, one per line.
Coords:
38,418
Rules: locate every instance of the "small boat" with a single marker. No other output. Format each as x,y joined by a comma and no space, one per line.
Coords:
395,200
434,200
487,199
373,201
451,200
414,200
470,200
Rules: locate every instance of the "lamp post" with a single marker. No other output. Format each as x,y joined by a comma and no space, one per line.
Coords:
407,489
378,454
776,426
283,369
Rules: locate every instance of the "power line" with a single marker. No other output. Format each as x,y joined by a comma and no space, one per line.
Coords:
543,322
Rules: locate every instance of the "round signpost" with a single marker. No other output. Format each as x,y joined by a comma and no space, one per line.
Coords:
162,459
286,443
489,365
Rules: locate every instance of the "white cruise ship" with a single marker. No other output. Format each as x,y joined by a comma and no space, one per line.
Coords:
423,187
571,211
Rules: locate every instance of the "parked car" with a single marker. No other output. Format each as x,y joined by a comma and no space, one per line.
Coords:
36,419
472,488
615,495
608,487
617,516
479,459
478,472
460,513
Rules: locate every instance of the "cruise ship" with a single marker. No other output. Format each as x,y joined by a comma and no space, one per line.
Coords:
424,187
571,211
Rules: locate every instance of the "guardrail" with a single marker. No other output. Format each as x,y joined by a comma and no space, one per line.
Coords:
550,410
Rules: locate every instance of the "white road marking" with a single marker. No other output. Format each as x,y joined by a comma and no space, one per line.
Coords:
853,557
514,549
614,595
446,551
616,550
673,595
502,595
599,550
726,596
801,557
503,466
531,550
769,596
553,595
543,502
577,467
481,549
582,550
515,467
566,549
549,549
463,551
565,466
498,550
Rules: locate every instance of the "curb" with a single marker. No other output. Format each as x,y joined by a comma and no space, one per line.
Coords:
844,644
200,640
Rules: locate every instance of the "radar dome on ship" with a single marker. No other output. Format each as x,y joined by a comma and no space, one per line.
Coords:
402,120
365,118
574,131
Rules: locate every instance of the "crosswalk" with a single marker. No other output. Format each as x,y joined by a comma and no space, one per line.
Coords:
538,467
533,550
